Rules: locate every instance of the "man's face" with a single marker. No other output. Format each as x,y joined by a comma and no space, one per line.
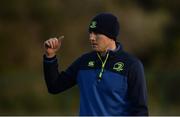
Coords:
99,42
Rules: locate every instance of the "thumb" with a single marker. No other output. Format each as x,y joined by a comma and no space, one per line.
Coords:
59,39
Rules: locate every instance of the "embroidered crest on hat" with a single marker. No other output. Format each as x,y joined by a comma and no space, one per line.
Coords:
105,23
93,24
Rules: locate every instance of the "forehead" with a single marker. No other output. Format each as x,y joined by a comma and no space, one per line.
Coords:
97,34
101,36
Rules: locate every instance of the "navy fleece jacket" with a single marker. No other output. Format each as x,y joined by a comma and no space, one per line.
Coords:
121,91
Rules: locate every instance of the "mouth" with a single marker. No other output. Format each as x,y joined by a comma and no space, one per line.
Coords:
94,45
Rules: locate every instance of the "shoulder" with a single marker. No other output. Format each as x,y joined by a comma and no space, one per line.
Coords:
135,66
126,57
86,57
130,58
130,61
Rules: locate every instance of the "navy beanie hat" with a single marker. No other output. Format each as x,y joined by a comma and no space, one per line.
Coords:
105,23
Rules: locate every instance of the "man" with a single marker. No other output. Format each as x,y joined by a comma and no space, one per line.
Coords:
111,82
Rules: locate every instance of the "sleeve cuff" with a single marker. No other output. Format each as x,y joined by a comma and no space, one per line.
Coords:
52,59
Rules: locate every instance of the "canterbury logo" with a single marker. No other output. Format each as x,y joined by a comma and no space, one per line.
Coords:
91,64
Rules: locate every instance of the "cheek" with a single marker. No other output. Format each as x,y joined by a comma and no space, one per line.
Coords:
102,45
101,41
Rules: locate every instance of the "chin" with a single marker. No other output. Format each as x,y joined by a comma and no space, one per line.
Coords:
95,49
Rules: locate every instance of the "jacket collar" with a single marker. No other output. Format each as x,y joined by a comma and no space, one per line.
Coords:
113,53
117,50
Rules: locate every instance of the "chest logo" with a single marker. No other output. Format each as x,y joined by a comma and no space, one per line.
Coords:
119,66
91,64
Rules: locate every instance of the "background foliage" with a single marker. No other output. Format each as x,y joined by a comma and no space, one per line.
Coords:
149,30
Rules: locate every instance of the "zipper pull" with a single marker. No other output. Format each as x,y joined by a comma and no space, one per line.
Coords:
100,76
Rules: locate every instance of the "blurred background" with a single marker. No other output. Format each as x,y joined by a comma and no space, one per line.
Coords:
149,30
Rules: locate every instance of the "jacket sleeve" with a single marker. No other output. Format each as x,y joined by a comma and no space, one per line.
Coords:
137,92
59,81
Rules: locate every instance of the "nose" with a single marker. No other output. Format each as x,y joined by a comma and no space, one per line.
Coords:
92,36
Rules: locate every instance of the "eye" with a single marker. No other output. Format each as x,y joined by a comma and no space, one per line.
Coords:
94,32
98,35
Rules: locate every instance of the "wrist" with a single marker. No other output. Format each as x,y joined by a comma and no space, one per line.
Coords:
50,55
